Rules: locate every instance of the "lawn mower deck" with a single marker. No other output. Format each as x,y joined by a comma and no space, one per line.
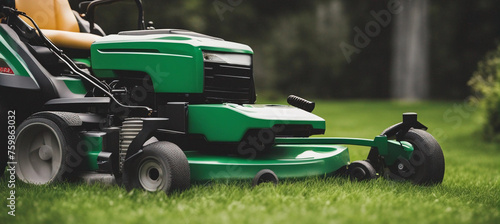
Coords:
286,161
291,158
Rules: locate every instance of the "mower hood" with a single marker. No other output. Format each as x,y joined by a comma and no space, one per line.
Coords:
168,36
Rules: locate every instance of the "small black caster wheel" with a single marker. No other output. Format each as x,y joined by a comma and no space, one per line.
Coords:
361,170
265,176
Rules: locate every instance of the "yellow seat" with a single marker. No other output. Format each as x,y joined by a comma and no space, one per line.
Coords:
58,23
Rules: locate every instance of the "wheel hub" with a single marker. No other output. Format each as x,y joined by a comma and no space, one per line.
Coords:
151,175
154,174
45,152
358,173
401,166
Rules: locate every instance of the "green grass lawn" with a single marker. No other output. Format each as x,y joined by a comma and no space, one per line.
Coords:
470,192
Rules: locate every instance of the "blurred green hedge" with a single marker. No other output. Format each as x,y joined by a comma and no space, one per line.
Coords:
486,85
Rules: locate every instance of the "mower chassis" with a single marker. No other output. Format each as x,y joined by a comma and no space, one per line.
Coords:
292,158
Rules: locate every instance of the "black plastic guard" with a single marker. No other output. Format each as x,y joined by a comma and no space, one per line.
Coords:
399,130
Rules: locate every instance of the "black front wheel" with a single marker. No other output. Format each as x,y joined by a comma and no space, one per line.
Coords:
426,165
162,166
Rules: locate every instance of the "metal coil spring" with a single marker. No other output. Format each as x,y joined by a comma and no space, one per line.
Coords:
130,129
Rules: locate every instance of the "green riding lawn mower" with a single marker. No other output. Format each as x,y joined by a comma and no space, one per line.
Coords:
159,109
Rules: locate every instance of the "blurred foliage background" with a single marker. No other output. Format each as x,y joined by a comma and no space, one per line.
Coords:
296,43
486,86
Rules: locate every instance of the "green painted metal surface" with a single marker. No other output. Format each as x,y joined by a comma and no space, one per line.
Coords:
92,143
174,62
286,160
229,122
105,73
389,149
15,62
75,85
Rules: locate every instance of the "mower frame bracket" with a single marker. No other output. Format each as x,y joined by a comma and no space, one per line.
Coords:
391,150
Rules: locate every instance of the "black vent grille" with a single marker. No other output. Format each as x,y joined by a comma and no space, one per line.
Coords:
228,83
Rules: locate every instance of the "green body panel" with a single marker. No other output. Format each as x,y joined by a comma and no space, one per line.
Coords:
229,122
105,73
15,62
75,85
92,143
174,62
287,161
389,149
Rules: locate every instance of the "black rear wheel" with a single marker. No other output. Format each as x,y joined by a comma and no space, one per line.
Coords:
44,144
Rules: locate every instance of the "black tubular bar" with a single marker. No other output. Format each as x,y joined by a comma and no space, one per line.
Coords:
140,23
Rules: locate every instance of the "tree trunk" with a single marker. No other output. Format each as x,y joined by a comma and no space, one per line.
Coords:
410,66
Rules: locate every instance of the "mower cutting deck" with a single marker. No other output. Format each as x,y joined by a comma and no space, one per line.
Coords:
286,161
159,109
